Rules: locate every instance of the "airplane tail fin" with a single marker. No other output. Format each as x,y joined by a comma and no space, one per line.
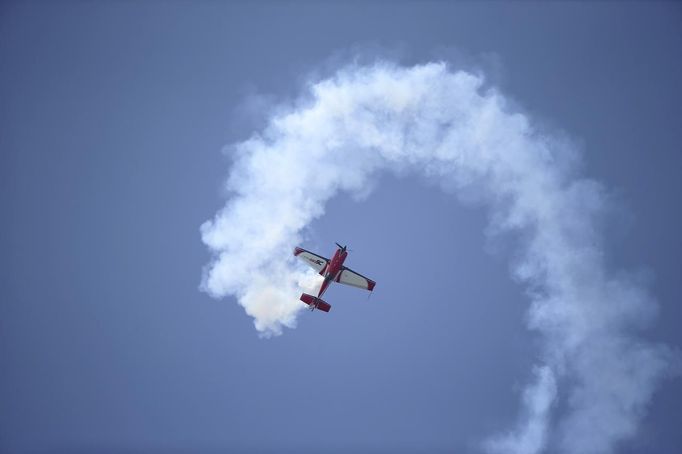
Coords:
315,303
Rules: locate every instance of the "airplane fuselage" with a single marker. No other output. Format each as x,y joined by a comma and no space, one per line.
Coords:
332,270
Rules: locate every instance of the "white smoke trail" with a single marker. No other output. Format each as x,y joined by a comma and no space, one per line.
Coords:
445,125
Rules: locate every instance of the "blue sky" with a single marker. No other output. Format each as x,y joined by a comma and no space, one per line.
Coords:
112,123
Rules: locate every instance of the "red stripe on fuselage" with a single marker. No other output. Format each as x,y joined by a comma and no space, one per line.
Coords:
333,269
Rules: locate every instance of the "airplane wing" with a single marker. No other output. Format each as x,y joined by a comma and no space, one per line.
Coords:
316,262
350,277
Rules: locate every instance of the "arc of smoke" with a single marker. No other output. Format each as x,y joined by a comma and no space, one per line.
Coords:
443,124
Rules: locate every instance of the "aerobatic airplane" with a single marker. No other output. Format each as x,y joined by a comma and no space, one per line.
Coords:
332,270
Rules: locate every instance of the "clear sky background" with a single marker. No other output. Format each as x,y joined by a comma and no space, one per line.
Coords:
112,120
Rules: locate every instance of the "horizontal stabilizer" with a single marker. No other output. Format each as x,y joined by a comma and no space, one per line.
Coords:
315,303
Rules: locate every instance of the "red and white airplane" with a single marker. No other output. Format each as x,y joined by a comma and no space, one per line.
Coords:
333,271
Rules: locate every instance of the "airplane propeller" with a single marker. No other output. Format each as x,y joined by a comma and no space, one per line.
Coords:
343,248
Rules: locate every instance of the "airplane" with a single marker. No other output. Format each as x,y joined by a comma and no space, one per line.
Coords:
333,271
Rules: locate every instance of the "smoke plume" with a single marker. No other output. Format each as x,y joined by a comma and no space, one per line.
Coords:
448,126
